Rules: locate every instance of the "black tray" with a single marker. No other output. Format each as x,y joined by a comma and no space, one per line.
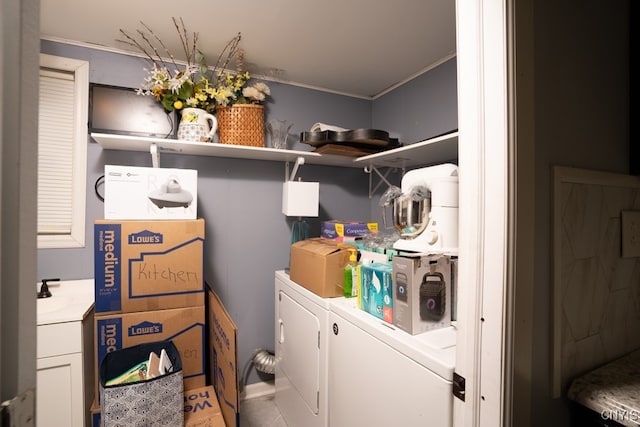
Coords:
355,137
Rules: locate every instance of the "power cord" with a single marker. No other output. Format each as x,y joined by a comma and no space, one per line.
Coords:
99,182
170,116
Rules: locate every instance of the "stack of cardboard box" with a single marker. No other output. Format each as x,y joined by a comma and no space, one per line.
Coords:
149,286
149,275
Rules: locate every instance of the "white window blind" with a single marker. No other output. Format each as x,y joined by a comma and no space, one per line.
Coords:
55,152
62,151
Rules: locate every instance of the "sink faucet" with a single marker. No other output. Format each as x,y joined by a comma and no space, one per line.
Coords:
44,289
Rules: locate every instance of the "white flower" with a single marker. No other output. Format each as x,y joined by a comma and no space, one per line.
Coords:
261,87
252,92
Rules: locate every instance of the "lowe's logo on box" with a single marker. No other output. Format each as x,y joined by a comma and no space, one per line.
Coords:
145,237
145,328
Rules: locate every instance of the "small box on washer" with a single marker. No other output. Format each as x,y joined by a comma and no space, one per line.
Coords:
421,292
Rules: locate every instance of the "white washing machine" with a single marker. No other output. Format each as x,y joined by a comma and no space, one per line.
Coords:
382,376
301,351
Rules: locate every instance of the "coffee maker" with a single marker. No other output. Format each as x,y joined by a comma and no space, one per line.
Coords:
426,213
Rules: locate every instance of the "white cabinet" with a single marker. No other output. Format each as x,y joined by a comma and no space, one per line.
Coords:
59,398
64,380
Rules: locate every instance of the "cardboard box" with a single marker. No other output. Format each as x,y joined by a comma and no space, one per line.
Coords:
376,290
421,292
336,229
184,326
201,408
150,193
223,358
318,265
148,265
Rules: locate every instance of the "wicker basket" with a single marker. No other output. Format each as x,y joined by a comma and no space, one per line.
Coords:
241,124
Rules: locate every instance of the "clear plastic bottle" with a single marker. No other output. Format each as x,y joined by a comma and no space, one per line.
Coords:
351,275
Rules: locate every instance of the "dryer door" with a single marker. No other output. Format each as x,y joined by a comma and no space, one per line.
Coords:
298,353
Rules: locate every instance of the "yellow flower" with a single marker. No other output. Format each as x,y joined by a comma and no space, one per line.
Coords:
177,105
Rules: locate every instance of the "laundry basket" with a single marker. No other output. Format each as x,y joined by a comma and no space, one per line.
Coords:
127,399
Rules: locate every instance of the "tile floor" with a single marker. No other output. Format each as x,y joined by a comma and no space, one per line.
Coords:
260,412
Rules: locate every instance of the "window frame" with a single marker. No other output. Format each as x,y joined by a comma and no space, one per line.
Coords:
80,70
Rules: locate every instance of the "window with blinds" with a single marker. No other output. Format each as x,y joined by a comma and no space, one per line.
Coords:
62,158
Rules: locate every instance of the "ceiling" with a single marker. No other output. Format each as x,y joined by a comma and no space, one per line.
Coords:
356,47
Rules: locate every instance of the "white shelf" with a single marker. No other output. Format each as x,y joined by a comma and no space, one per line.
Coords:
432,151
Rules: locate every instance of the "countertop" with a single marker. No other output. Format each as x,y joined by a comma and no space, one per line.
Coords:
70,301
612,391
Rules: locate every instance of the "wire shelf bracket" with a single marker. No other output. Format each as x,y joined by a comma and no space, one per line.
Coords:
383,178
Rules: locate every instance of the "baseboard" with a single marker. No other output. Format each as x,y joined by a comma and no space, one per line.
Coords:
263,388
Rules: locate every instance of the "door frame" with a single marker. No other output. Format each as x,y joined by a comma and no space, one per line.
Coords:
496,199
19,59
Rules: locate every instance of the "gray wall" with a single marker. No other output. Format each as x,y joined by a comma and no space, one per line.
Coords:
581,120
247,236
421,108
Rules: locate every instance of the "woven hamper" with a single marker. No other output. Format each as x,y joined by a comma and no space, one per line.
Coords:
241,124
157,401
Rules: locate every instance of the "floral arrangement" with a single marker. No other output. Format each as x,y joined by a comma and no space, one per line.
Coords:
195,84
231,88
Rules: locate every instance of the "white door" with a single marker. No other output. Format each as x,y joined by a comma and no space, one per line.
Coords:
301,325
298,350
19,59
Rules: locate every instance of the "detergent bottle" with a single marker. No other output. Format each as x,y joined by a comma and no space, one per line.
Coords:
351,276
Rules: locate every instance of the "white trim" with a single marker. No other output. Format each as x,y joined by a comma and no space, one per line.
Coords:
140,55
466,414
496,236
261,389
484,159
415,75
593,177
264,77
81,71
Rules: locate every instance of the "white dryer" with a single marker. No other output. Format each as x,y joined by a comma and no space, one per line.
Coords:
382,376
301,352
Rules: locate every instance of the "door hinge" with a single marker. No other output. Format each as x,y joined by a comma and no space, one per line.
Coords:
458,386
